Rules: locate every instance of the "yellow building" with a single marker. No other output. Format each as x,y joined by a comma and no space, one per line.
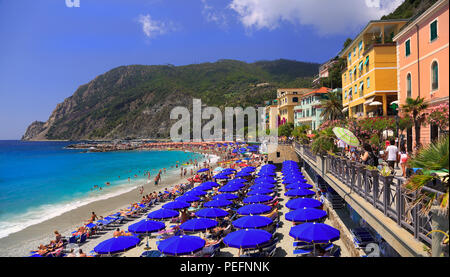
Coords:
287,99
369,83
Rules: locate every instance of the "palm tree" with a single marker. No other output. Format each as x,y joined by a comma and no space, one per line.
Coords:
434,162
415,107
332,107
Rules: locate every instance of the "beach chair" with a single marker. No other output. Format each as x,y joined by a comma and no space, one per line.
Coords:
301,252
362,237
151,254
73,239
335,251
83,238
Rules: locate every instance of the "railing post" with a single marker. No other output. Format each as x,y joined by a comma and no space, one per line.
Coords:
415,216
387,180
375,188
399,194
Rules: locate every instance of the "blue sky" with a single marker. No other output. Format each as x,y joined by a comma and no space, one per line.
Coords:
47,49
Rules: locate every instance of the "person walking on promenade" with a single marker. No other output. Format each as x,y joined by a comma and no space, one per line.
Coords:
392,155
403,159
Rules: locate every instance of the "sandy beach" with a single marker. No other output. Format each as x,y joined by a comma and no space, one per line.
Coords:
20,243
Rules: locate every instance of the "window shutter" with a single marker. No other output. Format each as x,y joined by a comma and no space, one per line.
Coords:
433,30
408,47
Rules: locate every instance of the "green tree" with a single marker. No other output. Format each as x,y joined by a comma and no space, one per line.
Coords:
404,123
347,42
415,109
286,129
299,133
332,106
324,142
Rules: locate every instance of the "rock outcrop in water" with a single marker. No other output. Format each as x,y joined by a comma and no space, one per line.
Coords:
135,101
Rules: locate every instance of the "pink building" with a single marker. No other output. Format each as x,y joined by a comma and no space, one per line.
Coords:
423,62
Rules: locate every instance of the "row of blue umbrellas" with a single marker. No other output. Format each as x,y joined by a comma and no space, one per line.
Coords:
305,210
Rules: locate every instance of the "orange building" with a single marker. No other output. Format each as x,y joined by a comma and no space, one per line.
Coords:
423,63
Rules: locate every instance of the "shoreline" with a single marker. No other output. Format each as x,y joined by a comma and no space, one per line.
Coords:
19,243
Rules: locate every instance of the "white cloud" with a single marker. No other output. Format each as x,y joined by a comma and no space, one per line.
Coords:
212,14
328,17
153,28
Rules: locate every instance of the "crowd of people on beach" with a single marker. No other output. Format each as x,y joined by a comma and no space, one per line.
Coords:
57,247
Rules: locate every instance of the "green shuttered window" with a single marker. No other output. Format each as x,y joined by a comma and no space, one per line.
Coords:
433,30
408,47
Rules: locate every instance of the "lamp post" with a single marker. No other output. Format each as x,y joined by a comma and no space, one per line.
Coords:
394,107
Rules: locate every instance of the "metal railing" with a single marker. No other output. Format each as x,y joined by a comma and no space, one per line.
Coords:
387,194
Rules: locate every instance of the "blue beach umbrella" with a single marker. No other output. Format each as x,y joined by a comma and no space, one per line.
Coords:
181,245
314,233
292,181
257,199
299,193
260,190
226,196
300,203
221,176
163,214
204,187
188,198
198,224
269,166
217,203
146,226
236,181
299,186
176,205
305,215
195,192
116,245
265,180
202,170
211,213
229,188
229,170
252,221
243,174
247,238
210,183
253,209
263,185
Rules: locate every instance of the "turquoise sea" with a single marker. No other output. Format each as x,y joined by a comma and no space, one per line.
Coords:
41,180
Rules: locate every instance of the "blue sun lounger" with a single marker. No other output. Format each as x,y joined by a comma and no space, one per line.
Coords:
302,251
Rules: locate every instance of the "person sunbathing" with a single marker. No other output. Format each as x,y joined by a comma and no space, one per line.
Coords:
273,214
58,236
81,253
42,250
117,233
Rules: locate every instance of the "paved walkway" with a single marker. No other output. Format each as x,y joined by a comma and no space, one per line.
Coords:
286,242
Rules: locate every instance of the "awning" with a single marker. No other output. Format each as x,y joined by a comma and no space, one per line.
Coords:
367,61
345,109
361,85
360,66
354,70
370,100
360,45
